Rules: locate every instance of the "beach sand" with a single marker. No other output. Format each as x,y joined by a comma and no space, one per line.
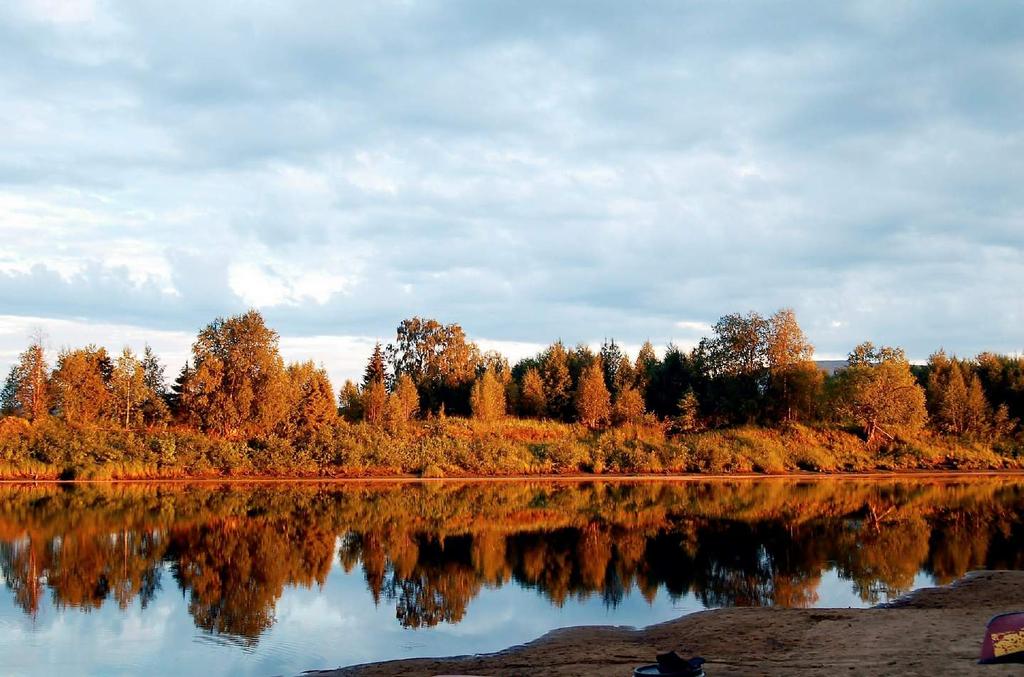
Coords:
934,631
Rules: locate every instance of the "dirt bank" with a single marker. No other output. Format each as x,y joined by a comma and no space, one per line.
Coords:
936,631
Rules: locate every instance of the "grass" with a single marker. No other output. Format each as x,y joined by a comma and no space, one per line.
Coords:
455,447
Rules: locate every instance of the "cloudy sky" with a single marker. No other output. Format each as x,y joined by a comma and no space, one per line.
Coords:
530,170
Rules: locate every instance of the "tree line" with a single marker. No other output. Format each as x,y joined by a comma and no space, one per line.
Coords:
752,369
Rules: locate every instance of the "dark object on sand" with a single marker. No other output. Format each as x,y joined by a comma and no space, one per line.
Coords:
1004,639
672,664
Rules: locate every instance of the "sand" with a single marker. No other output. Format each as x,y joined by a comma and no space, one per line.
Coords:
935,631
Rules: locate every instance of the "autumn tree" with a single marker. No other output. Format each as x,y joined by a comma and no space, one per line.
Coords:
1002,379
27,389
532,400
579,358
624,377
646,361
81,384
350,402
488,397
311,400
878,392
739,346
956,402
375,372
688,413
155,407
374,402
557,381
496,362
758,368
373,397
128,390
237,385
439,360
593,402
629,406
794,380
408,398
734,364
402,404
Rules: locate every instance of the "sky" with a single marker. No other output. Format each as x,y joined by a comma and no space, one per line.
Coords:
532,171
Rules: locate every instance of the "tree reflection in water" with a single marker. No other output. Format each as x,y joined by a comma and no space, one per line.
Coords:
429,549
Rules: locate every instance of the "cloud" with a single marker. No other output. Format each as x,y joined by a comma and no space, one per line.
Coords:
694,327
567,172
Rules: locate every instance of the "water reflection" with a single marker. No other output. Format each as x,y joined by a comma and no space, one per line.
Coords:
427,550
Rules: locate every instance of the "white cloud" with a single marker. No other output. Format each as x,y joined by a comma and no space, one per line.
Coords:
63,11
270,285
695,327
559,173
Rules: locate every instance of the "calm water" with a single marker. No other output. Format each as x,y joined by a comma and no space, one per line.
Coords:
275,579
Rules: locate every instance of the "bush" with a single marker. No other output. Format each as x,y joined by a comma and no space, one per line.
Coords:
48,448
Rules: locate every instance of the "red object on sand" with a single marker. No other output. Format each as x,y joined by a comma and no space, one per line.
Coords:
1004,639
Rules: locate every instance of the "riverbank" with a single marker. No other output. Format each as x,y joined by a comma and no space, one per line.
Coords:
628,478
464,448
930,632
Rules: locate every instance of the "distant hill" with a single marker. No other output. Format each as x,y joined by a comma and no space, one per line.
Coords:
831,366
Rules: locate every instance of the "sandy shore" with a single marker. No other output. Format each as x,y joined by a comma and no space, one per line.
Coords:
936,631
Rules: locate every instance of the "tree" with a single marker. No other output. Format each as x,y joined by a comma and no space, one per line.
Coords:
868,354
739,346
153,371
375,403
9,395
593,402
439,360
794,380
611,359
155,408
956,401
311,399
646,361
734,364
497,363
688,417
238,384
27,389
979,419
879,392
350,402
532,401
557,381
786,344
375,372
488,397
128,389
81,384
403,404
795,392
174,397
624,377
668,379
579,358
629,406
1002,379
408,398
